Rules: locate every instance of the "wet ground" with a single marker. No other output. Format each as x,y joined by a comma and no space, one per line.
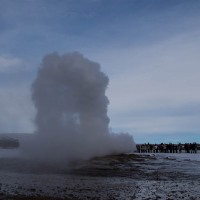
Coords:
127,176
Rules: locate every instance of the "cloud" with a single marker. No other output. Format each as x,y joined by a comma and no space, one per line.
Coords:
155,88
10,64
17,110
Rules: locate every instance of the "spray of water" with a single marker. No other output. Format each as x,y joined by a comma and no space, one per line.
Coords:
71,120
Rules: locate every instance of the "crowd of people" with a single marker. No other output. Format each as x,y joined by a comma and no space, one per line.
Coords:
167,148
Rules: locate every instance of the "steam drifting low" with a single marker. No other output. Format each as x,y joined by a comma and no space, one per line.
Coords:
71,120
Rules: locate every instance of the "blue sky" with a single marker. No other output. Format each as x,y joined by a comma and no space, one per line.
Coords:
148,48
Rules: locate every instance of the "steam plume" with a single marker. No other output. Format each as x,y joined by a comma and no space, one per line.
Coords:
71,120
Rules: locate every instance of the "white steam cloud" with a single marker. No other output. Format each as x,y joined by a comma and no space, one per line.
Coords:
71,120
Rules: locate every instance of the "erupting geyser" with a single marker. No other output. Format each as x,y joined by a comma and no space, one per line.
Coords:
71,120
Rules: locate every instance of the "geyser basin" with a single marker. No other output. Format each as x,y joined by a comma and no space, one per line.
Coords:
71,120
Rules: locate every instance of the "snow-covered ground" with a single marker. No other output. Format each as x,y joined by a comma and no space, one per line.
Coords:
180,156
132,176
9,153
177,176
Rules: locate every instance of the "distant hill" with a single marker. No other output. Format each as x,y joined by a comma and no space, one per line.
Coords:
13,140
7,142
